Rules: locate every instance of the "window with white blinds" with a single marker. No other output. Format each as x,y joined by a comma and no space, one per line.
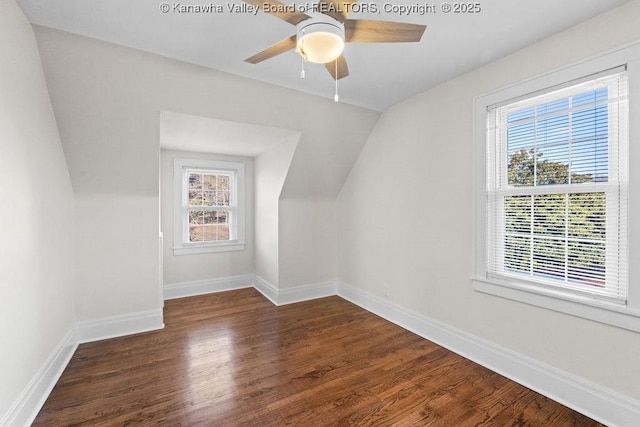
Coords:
557,188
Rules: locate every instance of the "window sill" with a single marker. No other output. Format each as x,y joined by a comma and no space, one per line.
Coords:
205,249
582,306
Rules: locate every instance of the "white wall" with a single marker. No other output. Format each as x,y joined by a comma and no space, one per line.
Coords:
108,100
36,226
308,241
271,168
418,164
187,268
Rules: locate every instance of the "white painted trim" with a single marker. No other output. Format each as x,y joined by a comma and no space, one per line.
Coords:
209,248
628,55
306,292
117,326
26,407
582,306
267,289
200,287
602,404
294,294
237,225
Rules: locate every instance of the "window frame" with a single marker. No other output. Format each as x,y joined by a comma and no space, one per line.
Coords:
613,313
181,243
500,189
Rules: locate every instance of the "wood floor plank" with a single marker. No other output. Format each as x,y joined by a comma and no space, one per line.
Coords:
234,359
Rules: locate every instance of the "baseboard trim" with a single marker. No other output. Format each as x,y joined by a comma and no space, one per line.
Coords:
117,326
200,287
26,407
602,404
269,291
307,292
294,294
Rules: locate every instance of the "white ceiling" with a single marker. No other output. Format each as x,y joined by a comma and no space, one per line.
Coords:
380,74
206,135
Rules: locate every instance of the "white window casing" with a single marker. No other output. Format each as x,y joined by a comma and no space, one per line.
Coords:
232,209
530,240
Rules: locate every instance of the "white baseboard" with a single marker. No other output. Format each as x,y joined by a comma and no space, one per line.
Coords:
306,292
117,326
595,401
269,291
604,405
296,293
200,287
26,407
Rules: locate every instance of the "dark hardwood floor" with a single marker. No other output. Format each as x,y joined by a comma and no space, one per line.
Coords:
234,359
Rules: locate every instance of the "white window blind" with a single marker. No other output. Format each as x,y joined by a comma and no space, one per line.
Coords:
557,189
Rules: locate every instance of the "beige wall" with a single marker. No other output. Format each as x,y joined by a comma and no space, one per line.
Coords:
271,168
108,100
304,258
186,268
36,207
418,164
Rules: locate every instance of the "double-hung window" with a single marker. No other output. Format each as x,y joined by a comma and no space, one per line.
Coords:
557,189
209,206
552,225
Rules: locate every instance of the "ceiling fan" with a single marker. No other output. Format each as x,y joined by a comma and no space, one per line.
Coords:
321,38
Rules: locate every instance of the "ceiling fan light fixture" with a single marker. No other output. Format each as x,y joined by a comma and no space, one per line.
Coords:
320,40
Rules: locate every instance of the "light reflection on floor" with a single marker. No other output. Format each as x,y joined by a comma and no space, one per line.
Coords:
211,367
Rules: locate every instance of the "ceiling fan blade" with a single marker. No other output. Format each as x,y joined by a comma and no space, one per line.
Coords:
276,49
283,11
337,9
343,69
365,31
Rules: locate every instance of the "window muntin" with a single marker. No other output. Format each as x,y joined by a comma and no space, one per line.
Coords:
556,191
209,206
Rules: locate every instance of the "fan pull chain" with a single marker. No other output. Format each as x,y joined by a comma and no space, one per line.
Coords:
336,98
302,74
